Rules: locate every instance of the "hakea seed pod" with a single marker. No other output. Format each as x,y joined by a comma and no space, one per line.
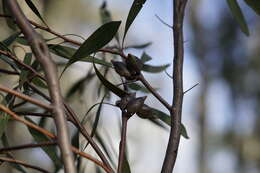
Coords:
124,101
135,104
145,112
121,69
134,64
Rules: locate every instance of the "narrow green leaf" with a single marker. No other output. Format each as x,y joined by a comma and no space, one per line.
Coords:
119,92
254,4
238,15
49,150
10,22
104,13
9,40
35,10
102,36
39,82
126,166
145,57
22,40
139,46
79,85
24,73
18,167
4,118
154,69
106,17
135,9
104,147
9,62
167,119
137,87
67,53
95,124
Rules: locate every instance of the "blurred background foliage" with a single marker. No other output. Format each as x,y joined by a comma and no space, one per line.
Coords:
221,114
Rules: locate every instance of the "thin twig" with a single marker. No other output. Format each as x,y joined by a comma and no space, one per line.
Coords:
9,72
9,54
176,110
42,54
122,145
77,43
19,162
163,22
25,97
27,146
190,88
52,136
74,119
153,91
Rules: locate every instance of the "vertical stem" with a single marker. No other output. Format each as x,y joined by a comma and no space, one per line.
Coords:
122,144
176,111
42,54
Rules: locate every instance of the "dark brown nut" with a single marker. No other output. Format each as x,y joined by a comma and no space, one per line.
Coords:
134,105
145,112
134,64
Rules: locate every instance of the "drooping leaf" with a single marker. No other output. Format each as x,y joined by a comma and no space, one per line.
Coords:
106,17
35,10
167,119
102,36
79,85
24,73
9,62
139,46
9,40
39,82
104,146
238,15
68,52
16,166
95,124
104,13
126,166
119,92
10,22
134,10
137,87
254,4
22,40
154,69
145,57
4,118
49,150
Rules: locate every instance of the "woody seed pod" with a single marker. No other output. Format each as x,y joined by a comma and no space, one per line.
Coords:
124,101
134,105
121,69
134,64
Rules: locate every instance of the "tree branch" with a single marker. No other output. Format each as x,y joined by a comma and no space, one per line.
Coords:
19,162
42,54
176,111
122,144
25,97
52,136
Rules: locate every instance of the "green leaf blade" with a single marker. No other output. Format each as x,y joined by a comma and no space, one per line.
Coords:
102,36
238,15
134,10
109,85
154,69
167,119
35,10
